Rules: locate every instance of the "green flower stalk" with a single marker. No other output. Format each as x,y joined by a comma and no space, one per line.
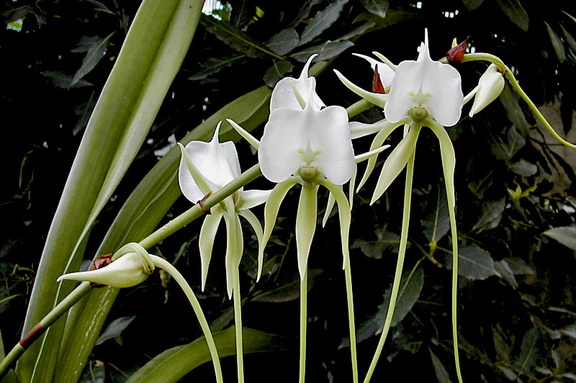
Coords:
205,168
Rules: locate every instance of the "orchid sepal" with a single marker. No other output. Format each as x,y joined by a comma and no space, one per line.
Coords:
396,161
206,242
377,99
271,213
245,134
306,224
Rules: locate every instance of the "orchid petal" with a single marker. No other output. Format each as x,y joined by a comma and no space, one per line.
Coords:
206,243
330,138
361,129
256,226
376,143
244,133
306,224
234,250
345,216
448,161
270,213
283,95
385,72
193,185
281,142
251,198
396,161
377,99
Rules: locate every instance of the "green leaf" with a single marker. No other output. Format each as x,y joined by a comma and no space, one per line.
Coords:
127,106
322,21
441,372
437,222
284,41
410,289
556,43
566,235
515,12
235,38
376,7
569,330
491,215
287,291
95,48
277,72
325,51
173,364
472,4
115,329
529,350
476,263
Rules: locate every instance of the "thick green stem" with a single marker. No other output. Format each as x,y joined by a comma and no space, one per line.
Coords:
399,267
303,325
502,68
166,266
60,309
200,208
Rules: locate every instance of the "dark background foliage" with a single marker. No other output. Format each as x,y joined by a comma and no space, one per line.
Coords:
517,311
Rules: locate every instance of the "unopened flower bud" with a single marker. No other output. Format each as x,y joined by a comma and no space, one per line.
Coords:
129,270
489,88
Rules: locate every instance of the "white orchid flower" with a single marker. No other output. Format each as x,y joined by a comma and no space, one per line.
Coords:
304,142
489,87
425,89
206,167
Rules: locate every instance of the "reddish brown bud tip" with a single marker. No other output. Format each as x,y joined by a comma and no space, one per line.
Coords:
101,261
377,86
456,54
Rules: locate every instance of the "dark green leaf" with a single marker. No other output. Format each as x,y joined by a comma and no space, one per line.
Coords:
95,48
523,168
64,81
491,215
437,222
441,372
173,364
287,291
214,65
515,12
472,4
510,101
518,266
529,350
284,41
374,249
277,71
506,273
235,38
358,31
566,235
376,7
476,263
322,21
410,289
325,51
115,329
556,43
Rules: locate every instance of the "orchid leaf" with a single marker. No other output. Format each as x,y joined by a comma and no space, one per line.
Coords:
515,12
173,364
